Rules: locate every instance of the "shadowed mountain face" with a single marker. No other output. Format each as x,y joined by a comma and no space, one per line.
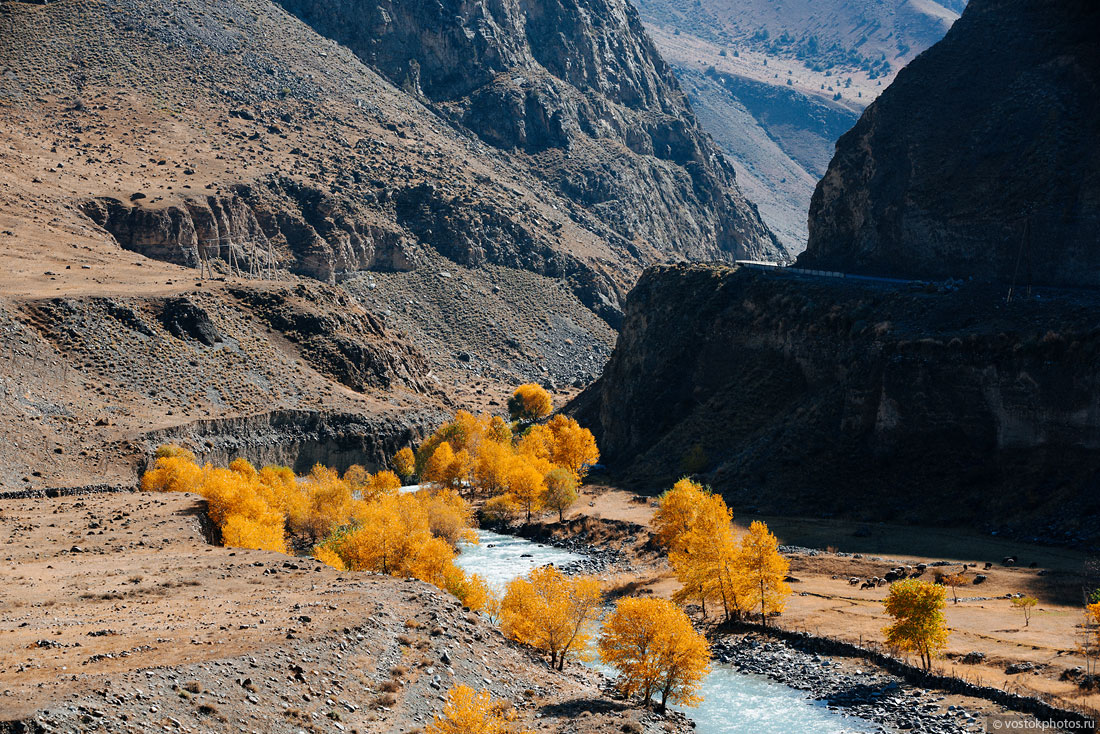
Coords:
981,159
828,397
577,93
776,83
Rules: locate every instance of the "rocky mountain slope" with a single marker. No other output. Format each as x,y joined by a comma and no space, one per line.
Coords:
209,211
778,83
795,395
578,94
980,160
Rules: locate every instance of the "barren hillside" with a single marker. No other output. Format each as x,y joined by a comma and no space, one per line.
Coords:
208,210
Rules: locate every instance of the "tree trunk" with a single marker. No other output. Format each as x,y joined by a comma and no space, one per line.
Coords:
763,613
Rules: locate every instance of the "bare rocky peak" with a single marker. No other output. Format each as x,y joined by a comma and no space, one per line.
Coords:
579,93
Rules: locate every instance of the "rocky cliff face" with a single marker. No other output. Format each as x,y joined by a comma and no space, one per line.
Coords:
578,93
980,159
801,396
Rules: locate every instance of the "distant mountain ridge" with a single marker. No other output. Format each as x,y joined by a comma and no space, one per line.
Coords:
825,59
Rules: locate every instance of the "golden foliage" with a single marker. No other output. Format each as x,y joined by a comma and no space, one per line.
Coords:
919,624
501,509
171,450
330,502
328,557
655,650
449,516
490,467
709,561
381,531
473,712
955,580
572,447
379,485
529,403
676,512
172,473
766,570
1026,604
551,612
524,483
411,536
404,462
521,473
561,491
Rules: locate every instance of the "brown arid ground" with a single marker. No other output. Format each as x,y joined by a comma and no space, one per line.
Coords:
825,604
117,615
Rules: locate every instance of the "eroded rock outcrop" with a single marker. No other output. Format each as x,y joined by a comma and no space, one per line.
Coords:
280,224
800,396
981,159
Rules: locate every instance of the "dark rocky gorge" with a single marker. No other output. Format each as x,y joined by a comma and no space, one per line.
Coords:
968,401
824,396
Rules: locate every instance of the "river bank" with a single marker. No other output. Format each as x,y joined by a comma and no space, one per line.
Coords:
952,700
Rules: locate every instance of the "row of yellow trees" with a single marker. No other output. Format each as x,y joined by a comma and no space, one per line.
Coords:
355,522
521,468
712,565
651,643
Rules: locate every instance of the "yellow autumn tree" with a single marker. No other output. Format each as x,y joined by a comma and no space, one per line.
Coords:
676,512
498,431
446,467
954,581
709,562
529,403
1025,604
524,483
173,473
573,447
449,516
537,443
655,651
379,485
467,711
551,612
765,570
490,467
500,510
404,463
330,501
561,491
919,624
328,556
356,477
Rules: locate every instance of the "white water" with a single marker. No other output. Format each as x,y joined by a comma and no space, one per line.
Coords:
733,703
499,558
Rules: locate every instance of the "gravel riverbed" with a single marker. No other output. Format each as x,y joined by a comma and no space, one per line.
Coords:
865,692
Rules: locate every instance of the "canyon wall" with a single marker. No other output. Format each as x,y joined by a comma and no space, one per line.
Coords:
795,395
